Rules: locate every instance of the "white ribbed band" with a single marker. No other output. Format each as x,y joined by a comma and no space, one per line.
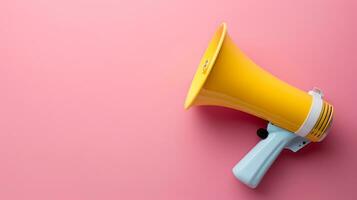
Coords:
314,113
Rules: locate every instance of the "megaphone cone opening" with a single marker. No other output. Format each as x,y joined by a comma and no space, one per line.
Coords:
206,64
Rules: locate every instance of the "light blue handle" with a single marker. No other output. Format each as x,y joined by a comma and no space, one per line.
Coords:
251,169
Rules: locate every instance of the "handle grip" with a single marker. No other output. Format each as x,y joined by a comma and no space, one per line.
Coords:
251,169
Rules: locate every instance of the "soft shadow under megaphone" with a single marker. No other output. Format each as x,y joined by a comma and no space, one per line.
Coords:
227,77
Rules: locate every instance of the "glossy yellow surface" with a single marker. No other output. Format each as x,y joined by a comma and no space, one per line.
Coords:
226,77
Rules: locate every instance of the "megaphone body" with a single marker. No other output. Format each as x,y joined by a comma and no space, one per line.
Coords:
227,77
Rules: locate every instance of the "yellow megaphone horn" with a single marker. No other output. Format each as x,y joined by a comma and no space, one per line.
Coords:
226,77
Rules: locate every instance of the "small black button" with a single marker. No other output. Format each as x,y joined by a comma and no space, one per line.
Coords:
262,133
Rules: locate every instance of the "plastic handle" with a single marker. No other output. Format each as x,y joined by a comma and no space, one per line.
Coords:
251,169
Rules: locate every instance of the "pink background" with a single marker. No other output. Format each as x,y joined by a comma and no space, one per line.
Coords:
92,92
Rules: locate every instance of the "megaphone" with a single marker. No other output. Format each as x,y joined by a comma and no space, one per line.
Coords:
227,77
